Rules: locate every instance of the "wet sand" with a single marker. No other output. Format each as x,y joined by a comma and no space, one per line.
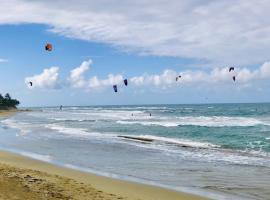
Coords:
6,113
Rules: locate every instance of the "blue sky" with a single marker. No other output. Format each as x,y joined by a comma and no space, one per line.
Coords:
117,44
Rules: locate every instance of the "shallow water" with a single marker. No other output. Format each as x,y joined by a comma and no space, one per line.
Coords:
221,151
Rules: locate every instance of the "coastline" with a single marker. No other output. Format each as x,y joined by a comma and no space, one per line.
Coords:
34,179
12,111
61,181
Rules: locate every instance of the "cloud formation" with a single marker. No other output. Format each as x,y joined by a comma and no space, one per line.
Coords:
215,76
47,79
217,31
2,60
77,75
77,78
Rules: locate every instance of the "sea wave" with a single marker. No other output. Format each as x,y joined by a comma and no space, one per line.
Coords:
203,151
66,130
23,127
71,119
150,123
215,121
89,115
79,132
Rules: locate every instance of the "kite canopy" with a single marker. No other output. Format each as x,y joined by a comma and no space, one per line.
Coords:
178,77
115,88
126,82
48,47
31,83
231,69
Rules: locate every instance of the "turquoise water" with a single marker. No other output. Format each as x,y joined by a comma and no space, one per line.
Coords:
217,150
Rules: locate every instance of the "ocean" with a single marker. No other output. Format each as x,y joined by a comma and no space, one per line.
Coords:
217,150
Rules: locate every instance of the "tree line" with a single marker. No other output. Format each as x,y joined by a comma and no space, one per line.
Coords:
7,102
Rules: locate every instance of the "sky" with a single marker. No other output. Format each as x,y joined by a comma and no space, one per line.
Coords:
97,44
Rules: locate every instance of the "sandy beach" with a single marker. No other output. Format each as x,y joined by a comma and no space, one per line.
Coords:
25,178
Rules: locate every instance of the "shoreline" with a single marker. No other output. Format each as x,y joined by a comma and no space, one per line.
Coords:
12,111
6,113
116,189
25,174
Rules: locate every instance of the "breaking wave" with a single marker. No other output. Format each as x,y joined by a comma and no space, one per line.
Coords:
215,121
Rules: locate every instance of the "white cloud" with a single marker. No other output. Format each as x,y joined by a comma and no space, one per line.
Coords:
95,82
47,79
76,75
216,76
3,60
77,79
221,31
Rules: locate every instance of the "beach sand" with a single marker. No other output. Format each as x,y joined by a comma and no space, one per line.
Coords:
25,178
6,113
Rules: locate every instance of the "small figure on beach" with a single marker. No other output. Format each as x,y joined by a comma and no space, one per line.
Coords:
61,107
150,114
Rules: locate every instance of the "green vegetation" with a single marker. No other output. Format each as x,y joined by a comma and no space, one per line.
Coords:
7,102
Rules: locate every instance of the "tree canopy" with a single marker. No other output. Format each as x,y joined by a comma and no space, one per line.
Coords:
7,102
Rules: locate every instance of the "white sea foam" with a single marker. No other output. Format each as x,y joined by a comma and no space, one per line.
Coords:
149,123
46,158
215,121
23,127
66,130
67,119
79,132
84,115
